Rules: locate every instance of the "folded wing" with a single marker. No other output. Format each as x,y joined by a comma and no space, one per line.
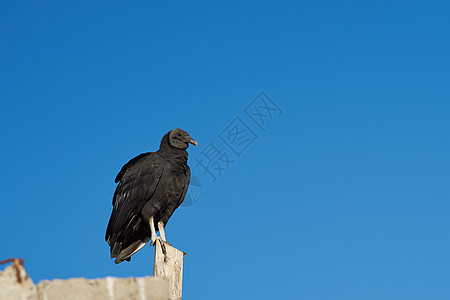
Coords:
138,180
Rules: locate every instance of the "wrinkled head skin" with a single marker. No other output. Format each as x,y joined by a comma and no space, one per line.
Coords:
180,139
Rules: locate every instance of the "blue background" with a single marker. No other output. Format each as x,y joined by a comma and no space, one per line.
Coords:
344,196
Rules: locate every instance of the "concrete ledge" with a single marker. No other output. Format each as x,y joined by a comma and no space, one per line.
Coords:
16,285
109,288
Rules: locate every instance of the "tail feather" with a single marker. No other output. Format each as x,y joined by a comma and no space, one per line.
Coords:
126,242
125,254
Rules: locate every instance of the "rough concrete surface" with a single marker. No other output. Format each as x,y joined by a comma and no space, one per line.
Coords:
169,264
109,288
15,284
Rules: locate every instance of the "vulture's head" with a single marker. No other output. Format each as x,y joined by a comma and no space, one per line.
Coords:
180,139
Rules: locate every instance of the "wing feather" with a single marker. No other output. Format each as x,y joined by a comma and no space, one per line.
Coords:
138,180
128,164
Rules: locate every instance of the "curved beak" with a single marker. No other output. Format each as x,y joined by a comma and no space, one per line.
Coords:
193,142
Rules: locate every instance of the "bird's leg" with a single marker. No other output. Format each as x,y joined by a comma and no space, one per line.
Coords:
162,238
162,233
154,237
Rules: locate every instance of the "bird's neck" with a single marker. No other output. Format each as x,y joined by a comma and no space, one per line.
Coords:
173,154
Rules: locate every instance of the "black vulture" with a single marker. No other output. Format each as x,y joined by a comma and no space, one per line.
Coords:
151,186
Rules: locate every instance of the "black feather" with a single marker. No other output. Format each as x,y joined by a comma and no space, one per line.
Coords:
152,184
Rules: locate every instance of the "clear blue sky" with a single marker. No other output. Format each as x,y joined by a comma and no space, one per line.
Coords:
344,196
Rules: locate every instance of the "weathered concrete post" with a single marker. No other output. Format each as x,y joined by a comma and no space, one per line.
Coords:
16,285
169,264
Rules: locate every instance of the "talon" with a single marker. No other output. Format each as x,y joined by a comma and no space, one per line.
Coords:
153,242
163,248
